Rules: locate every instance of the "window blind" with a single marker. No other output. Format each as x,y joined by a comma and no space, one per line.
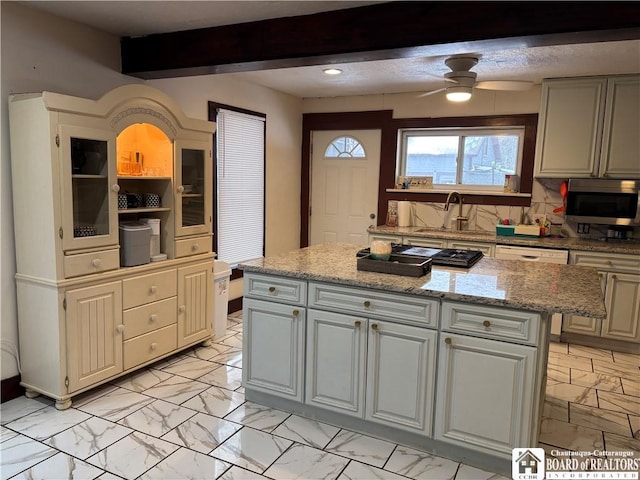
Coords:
240,186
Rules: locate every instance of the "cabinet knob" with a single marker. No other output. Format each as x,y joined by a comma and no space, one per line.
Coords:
194,247
614,277
153,289
115,188
272,289
296,313
120,328
605,174
357,324
96,263
447,341
374,326
153,318
180,189
367,304
153,346
486,324
182,309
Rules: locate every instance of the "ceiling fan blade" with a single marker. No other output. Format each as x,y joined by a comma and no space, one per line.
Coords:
426,94
507,85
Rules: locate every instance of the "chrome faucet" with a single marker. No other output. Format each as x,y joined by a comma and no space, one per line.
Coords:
459,219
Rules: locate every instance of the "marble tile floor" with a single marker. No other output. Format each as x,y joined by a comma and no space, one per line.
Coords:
186,417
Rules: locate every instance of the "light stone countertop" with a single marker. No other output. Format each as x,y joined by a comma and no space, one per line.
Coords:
631,247
538,287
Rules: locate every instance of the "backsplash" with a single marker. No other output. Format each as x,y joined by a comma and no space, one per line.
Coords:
545,198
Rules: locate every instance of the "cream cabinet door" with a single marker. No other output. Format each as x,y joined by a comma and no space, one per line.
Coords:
401,366
570,128
336,356
485,394
193,196
622,300
94,334
195,303
89,187
621,137
273,348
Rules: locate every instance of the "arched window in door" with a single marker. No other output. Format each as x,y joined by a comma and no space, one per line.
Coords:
345,147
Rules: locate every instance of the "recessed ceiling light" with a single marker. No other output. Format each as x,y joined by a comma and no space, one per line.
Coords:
332,71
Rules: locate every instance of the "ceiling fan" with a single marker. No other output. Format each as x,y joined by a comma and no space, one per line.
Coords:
462,80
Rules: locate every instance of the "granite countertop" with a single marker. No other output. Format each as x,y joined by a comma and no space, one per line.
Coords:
566,243
530,286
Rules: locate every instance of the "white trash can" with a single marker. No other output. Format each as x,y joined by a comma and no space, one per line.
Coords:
221,275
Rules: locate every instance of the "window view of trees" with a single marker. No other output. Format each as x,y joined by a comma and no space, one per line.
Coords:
473,159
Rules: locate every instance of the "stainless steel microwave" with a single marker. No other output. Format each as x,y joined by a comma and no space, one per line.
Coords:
605,202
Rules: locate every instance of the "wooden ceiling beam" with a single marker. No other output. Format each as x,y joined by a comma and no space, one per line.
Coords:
377,32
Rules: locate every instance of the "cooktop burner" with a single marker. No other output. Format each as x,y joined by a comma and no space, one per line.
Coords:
449,257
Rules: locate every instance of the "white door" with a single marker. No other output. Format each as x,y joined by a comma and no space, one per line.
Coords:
344,185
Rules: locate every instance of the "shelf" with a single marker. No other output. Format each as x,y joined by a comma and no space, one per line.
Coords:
141,177
191,195
463,192
84,176
143,210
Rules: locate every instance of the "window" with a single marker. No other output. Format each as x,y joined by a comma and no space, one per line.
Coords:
344,147
240,160
478,158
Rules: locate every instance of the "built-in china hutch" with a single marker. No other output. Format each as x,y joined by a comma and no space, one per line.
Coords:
82,170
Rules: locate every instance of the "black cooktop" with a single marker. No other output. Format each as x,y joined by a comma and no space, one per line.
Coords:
450,257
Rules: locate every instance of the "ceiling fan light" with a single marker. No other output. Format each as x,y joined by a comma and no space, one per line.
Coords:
458,93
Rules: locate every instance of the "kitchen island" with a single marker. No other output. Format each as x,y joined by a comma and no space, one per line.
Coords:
453,362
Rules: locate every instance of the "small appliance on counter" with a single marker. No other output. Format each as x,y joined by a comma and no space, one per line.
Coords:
135,243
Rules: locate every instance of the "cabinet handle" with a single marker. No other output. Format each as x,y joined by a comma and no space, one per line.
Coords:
374,326
120,328
486,324
154,345
614,277
367,304
296,313
447,341
609,262
115,188
357,324
272,289
180,189
194,247
153,318
182,309
96,263
605,174
153,289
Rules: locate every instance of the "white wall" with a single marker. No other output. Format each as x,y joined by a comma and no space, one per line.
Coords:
44,52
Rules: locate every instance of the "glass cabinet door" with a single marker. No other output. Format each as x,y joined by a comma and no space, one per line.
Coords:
193,200
89,206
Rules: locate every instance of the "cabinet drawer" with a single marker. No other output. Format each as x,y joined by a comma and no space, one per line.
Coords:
88,263
606,261
149,317
498,323
278,289
425,242
486,248
146,347
374,304
148,288
193,246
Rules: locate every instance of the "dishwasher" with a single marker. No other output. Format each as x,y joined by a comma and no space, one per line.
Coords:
541,255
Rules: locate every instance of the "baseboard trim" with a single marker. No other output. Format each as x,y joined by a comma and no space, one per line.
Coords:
11,389
599,342
234,305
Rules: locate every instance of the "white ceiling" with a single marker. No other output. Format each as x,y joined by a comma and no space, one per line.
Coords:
137,18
